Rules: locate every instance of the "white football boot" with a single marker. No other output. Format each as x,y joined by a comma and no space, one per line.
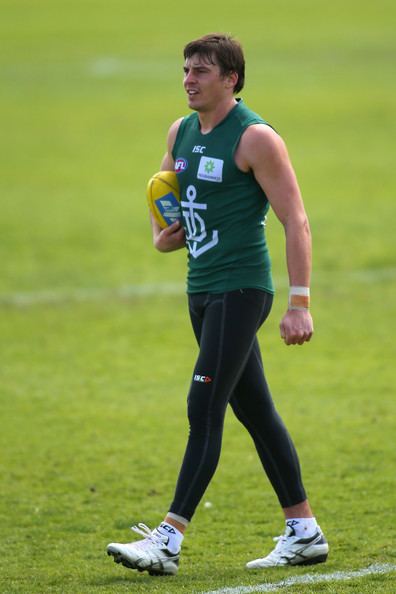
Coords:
150,554
294,550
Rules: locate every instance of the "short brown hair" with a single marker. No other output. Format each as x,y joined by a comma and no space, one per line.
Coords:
225,49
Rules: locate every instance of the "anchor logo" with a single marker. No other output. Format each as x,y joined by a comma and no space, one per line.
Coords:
196,231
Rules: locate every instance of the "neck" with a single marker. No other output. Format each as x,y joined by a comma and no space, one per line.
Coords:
209,119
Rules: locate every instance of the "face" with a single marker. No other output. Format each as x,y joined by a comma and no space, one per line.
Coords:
204,84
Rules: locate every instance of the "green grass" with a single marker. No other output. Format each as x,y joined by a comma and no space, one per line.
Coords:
93,385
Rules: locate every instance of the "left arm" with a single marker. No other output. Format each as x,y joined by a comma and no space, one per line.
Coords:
263,151
173,237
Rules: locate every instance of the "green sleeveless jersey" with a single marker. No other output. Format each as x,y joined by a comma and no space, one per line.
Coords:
223,208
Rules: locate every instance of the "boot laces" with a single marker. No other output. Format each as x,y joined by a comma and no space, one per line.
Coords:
284,540
150,537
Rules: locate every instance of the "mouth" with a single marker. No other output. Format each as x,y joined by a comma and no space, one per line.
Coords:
191,92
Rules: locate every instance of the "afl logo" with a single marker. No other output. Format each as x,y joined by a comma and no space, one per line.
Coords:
181,165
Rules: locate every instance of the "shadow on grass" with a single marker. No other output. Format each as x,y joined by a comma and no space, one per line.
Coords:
135,580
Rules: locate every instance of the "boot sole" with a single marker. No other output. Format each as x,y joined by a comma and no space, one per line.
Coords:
314,560
118,558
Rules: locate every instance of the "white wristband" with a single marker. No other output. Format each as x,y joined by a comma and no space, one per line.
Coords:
299,298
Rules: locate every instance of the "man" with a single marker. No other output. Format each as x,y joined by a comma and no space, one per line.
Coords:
231,166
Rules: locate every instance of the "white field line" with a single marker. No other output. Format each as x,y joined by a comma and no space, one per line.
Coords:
92,294
309,578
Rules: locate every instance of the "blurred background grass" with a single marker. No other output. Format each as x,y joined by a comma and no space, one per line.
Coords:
88,93
93,383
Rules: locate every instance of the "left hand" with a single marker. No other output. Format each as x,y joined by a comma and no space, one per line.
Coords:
296,326
169,239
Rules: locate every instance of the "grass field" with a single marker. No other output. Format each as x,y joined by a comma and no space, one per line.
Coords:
96,350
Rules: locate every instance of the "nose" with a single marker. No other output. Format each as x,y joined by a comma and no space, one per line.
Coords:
189,77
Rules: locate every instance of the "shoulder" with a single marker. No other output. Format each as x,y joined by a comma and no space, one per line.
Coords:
262,137
247,116
172,133
260,142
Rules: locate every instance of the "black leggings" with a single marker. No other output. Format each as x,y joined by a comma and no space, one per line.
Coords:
229,369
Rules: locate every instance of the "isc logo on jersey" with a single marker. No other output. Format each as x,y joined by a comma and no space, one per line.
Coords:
203,379
181,164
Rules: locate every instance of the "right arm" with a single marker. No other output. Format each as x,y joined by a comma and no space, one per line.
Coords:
171,238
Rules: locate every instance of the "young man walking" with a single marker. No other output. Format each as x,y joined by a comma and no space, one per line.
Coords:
232,166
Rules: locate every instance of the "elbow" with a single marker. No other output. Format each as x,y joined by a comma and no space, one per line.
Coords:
305,226
298,223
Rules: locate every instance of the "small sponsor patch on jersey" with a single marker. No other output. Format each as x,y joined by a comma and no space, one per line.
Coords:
210,169
181,164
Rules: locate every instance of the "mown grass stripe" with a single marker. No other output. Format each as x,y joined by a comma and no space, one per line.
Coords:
49,296
336,576
55,296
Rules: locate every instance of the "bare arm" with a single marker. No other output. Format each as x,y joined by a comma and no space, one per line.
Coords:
263,151
171,238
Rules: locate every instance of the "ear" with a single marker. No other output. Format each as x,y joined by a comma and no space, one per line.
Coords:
231,80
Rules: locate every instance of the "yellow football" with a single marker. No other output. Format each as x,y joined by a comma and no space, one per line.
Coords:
163,198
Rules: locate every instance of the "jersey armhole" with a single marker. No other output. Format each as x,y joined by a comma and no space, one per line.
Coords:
179,136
